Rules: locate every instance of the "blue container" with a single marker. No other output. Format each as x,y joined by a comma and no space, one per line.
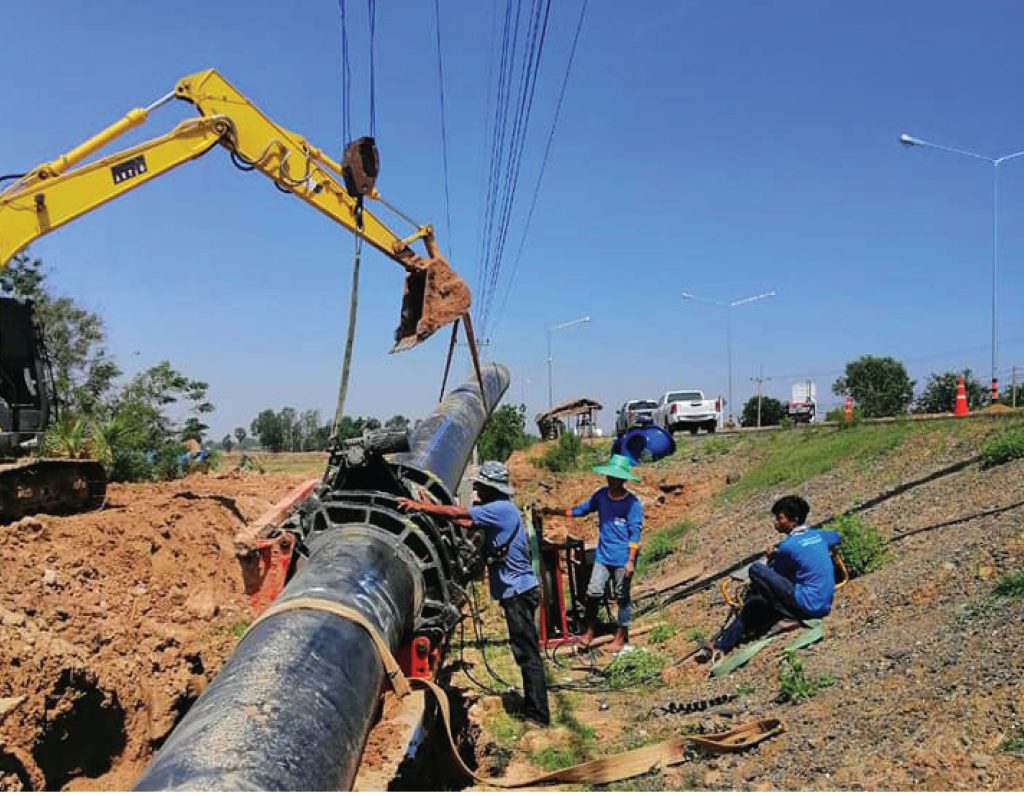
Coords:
648,443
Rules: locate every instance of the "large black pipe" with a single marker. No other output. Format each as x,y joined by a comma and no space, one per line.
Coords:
292,707
443,441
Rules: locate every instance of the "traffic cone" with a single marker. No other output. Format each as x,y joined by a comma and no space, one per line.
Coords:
848,410
960,410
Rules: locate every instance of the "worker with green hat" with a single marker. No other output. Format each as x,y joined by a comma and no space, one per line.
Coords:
620,521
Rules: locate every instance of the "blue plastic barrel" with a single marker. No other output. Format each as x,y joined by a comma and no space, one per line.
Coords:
648,443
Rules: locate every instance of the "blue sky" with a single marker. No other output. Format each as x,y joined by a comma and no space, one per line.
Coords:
724,149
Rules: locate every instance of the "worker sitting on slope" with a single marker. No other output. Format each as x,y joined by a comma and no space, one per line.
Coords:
797,582
513,582
620,521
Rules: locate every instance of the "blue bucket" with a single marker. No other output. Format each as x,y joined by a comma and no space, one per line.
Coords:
654,441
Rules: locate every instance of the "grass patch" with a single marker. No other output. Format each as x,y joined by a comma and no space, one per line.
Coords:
504,729
661,544
1004,448
863,547
696,633
1007,589
1013,743
553,758
1010,587
237,629
795,458
661,633
794,685
640,667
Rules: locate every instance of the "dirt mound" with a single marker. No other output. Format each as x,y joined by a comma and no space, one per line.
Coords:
113,622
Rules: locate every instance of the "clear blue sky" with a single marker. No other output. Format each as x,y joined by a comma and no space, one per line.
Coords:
725,149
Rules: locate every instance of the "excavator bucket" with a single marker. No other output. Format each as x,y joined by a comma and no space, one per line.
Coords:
434,296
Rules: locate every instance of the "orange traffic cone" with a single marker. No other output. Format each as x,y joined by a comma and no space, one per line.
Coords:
848,410
960,410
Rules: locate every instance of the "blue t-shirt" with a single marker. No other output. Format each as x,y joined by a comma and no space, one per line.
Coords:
804,558
619,525
500,522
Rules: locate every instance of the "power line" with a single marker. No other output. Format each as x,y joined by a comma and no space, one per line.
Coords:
444,131
544,160
372,12
346,80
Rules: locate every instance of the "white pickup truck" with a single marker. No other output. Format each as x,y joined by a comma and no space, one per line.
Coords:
687,409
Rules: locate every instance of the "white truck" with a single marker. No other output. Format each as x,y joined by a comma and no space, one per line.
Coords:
803,402
687,409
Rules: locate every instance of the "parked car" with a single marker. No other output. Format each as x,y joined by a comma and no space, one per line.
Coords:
688,409
632,414
803,402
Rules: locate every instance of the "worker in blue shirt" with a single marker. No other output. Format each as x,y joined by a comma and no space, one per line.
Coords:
510,570
620,521
796,582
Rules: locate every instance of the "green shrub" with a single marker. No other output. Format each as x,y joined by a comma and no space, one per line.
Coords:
566,455
863,547
1004,448
838,415
794,685
634,668
166,462
662,632
131,465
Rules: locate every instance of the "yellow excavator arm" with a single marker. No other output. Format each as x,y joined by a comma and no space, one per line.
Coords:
55,193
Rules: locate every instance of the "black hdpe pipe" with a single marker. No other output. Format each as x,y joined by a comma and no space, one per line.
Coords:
292,708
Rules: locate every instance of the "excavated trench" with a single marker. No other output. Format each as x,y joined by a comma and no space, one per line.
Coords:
83,730
428,765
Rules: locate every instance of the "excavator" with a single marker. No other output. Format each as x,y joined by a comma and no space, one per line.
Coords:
62,190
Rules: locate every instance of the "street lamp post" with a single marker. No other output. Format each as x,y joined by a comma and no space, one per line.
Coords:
566,325
728,305
909,140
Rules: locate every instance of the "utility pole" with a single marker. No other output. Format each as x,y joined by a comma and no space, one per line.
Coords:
759,380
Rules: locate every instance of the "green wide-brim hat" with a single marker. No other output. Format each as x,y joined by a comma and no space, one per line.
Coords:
617,467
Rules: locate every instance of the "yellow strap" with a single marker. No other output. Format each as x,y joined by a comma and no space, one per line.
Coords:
391,667
620,766
592,772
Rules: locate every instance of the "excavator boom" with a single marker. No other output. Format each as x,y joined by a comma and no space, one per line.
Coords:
60,191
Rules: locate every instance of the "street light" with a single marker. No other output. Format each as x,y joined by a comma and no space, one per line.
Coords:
909,140
566,325
728,324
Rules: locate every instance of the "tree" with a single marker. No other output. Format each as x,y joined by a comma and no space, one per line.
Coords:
267,426
880,385
83,371
772,412
504,433
144,402
227,443
939,393
398,422
240,435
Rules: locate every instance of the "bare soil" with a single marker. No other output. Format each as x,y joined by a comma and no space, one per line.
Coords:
113,622
925,662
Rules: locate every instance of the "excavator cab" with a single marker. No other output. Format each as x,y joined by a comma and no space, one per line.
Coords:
24,390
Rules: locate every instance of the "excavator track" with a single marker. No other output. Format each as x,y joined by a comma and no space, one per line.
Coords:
51,486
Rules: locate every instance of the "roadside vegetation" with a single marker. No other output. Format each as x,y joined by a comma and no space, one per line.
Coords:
863,547
795,685
1004,448
661,544
797,456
